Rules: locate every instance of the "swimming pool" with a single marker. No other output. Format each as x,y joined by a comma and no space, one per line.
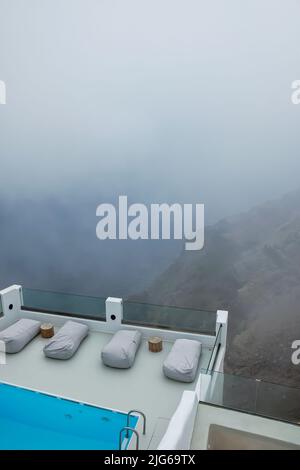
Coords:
32,421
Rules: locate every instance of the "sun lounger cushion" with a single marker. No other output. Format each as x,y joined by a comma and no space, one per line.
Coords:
121,350
16,336
66,341
182,362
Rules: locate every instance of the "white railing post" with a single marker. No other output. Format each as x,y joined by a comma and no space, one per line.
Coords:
2,92
114,312
11,300
222,321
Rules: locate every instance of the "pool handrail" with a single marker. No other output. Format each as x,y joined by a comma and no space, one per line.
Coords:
127,428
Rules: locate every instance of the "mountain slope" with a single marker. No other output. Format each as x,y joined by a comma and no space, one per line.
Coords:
250,265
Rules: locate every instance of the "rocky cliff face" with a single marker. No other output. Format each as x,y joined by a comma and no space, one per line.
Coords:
250,265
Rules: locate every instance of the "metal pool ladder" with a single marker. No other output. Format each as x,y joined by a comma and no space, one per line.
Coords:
127,428
137,412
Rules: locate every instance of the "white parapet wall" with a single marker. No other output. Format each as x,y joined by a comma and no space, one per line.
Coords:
180,430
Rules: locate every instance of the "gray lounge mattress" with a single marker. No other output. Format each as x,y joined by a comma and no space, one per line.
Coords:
18,335
120,352
66,341
182,361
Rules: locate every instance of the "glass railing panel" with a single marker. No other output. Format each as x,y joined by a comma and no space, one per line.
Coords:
253,396
279,402
64,304
231,391
173,318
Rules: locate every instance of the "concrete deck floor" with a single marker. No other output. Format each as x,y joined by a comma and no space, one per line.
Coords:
86,379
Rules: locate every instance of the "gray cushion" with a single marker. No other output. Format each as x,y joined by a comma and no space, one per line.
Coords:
65,343
121,350
19,334
182,362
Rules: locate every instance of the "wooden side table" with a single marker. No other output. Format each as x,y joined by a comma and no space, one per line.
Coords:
155,344
47,330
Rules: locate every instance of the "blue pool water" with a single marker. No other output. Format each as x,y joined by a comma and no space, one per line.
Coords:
31,420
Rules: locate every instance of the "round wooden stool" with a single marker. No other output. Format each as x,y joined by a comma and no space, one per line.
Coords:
47,330
155,344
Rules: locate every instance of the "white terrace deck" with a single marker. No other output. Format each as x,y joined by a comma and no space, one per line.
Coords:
86,379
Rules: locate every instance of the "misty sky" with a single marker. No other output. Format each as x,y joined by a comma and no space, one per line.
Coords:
162,100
